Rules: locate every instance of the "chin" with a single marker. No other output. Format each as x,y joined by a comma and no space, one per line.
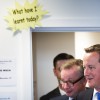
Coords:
91,85
70,95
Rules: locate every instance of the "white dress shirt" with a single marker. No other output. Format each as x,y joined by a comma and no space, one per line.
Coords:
94,95
70,98
62,92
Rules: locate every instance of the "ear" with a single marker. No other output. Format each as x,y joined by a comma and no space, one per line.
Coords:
54,71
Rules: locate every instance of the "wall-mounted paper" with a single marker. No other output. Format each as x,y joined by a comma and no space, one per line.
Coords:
8,96
8,72
26,16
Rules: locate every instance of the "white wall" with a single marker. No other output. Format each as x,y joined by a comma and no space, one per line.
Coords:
16,46
83,40
71,13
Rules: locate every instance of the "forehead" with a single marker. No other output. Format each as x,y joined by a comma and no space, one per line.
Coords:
90,58
60,62
70,73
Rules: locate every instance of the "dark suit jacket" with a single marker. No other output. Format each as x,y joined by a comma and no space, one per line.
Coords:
63,97
51,94
85,95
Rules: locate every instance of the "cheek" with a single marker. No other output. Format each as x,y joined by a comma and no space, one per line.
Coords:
97,72
97,75
78,87
62,86
58,74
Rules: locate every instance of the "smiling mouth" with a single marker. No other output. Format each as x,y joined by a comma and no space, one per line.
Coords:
89,79
68,92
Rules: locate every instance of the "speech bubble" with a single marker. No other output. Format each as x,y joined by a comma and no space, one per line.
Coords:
26,16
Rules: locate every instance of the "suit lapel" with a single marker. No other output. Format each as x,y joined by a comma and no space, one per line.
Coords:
88,95
57,92
65,97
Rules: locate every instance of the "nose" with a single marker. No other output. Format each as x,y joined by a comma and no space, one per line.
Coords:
86,71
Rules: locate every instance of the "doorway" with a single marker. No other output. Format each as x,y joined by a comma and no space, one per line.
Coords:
46,45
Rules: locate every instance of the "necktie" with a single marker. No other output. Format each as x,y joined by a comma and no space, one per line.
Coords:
98,95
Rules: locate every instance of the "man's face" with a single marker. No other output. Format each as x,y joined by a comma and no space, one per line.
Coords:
71,75
92,69
57,69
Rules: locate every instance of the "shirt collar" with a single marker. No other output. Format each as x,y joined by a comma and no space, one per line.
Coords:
70,98
62,92
94,95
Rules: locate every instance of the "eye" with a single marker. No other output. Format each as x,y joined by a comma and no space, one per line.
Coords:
91,67
71,81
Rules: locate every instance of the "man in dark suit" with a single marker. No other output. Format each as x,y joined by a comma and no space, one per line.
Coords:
86,95
57,62
91,63
72,79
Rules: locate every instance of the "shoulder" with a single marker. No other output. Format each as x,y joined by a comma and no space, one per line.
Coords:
63,97
55,92
86,94
87,91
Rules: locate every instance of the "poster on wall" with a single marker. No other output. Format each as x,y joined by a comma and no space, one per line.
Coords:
25,16
7,72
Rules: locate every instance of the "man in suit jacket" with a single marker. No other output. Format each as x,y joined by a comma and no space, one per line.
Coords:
72,79
57,62
51,94
85,95
91,63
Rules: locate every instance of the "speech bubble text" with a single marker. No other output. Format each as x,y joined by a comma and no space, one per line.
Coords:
25,16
